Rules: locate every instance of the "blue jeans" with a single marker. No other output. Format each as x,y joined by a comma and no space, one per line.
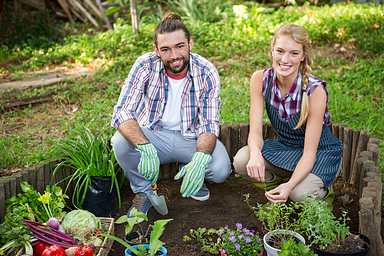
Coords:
171,147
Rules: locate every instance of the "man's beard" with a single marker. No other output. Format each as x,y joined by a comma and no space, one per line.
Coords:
176,70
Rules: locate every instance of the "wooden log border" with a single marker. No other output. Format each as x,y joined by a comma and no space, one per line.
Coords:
359,170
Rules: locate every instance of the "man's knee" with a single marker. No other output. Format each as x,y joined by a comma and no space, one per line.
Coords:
120,144
220,171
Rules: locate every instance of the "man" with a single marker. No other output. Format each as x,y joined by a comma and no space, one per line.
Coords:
168,111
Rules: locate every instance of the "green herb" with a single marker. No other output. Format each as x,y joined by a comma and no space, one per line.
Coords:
208,239
317,222
292,248
89,155
275,215
156,230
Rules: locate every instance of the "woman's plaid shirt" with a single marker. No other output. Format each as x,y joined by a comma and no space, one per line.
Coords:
290,104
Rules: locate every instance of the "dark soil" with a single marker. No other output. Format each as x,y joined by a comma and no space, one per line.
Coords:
351,245
225,207
277,240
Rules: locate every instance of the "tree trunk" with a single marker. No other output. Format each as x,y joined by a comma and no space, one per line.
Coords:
134,17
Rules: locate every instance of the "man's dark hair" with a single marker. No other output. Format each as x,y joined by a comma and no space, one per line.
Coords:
170,23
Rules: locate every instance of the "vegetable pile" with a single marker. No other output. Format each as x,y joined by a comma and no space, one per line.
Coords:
36,224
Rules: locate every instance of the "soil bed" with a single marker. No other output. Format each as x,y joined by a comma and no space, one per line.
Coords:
352,244
224,207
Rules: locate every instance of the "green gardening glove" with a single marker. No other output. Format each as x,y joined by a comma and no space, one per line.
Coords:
149,162
193,174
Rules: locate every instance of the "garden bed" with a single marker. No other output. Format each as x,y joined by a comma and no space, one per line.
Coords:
225,207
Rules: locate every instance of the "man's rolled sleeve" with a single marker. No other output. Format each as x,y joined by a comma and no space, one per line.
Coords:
131,94
210,104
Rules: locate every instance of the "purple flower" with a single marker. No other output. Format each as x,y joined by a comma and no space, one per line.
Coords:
239,226
237,247
247,240
232,238
247,232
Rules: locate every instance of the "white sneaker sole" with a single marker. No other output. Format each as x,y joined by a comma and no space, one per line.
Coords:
199,198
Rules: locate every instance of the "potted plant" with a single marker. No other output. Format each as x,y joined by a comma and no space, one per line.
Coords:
292,248
153,247
326,234
94,176
240,241
279,221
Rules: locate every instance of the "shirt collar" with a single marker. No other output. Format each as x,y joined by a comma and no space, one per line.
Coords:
293,92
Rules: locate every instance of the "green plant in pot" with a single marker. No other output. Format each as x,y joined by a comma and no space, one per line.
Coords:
279,220
292,248
326,234
94,179
150,248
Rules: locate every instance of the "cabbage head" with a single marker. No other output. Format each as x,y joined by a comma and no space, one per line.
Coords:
80,224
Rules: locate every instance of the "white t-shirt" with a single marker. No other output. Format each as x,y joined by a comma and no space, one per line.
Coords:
171,119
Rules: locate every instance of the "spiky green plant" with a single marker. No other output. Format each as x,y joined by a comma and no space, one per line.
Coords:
88,155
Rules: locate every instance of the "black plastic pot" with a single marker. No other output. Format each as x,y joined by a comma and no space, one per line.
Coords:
100,200
363,252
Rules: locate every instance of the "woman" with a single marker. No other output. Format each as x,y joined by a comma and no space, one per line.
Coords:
296,103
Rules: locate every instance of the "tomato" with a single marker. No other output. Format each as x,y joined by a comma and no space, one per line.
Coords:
38,248
84,251
54,250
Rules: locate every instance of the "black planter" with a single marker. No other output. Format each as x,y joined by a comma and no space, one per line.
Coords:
363,252
99,199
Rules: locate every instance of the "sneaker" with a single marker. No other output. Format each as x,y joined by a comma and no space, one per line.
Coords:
202,194
141,203
270,184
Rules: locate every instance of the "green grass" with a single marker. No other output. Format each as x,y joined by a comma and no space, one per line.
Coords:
236,45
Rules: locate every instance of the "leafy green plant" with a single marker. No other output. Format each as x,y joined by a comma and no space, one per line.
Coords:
240,241
155,230
275,215
200,10
89,155
28,205
208,238
317,222
292,248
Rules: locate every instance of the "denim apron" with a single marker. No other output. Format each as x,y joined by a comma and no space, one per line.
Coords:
286,151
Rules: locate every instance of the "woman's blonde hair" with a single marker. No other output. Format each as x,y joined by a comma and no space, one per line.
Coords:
300,36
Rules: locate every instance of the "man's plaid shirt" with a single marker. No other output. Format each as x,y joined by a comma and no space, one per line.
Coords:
144,96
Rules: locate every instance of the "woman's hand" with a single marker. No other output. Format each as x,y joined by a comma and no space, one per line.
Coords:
279,194
256,168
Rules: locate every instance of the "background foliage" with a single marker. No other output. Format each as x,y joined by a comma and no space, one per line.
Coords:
348,54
